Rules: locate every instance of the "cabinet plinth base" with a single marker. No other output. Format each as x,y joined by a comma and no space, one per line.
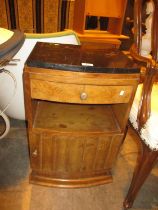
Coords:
70,183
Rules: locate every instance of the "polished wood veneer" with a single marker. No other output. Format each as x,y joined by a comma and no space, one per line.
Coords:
76,119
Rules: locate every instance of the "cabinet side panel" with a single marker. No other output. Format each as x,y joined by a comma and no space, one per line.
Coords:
121,111
112,152
30,105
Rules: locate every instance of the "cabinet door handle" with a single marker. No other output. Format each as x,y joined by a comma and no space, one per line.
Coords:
35,153
83,96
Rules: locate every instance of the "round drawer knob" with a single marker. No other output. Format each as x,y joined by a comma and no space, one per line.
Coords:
83,96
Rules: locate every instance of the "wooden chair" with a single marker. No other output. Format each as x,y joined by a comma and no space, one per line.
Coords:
146,115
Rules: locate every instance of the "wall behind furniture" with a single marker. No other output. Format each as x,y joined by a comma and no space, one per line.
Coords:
37,16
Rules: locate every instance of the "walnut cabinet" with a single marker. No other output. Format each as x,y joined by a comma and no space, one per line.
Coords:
76,119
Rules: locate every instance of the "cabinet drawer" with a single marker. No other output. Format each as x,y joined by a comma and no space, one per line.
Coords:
74,93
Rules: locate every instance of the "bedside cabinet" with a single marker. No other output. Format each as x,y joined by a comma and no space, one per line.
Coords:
77,102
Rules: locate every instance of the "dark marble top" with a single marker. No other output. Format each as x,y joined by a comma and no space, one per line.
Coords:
80,58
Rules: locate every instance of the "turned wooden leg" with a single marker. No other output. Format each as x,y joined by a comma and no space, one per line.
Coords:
145,164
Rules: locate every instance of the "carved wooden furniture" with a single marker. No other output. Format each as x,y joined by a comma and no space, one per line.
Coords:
145,118
77,101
